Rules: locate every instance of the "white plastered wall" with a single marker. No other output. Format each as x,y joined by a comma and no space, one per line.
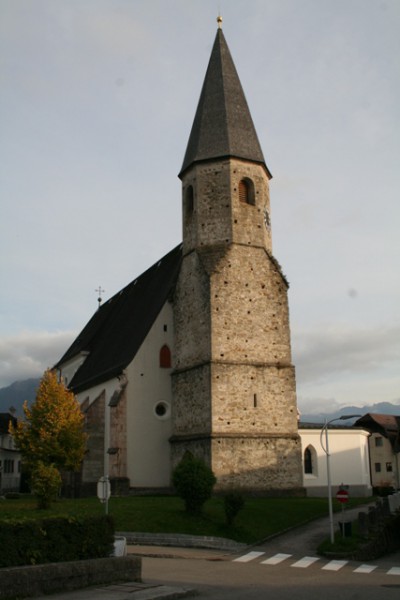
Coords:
349,461
148,447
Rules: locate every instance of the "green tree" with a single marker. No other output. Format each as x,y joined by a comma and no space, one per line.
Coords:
193,481
52,437
45,483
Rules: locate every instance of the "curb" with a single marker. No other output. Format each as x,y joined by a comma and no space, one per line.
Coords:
164,592
181,540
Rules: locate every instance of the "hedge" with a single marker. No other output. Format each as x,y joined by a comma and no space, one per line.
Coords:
58,539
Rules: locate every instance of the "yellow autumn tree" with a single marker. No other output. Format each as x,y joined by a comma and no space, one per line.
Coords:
51,438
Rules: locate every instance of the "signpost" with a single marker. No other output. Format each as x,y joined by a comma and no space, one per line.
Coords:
104,491
343,496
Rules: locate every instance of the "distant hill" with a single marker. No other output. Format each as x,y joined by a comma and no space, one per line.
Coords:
16,394
383,408
19,391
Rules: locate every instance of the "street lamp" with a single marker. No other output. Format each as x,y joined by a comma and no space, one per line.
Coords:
328,469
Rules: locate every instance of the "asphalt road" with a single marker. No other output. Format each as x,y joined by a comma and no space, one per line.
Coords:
225,579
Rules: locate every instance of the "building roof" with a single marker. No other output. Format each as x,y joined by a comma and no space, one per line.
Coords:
117,329
387,425
5,419
387,422
222,126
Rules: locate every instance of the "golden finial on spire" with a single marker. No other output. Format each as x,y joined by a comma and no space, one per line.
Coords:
219,21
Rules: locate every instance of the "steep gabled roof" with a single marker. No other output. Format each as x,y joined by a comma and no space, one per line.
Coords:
116,331
386,425
222,126
385,422
5,419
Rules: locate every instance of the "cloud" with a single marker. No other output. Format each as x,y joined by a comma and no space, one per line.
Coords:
30,353
325,352
338,366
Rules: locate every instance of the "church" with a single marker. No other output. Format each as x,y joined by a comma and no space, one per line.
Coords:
194,355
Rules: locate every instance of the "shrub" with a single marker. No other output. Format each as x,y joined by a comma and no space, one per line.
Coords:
193,481
59,539
233,503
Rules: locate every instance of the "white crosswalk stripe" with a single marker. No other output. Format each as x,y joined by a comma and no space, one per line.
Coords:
305,562
275,560
335,565
365,568
249,556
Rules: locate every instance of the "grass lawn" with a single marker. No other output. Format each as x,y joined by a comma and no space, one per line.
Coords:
260,517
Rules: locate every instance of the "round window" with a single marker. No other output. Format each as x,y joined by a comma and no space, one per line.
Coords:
161,410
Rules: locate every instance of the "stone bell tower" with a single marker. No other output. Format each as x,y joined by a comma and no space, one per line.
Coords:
234,390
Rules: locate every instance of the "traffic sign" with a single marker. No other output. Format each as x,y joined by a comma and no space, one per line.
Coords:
342,495
103,489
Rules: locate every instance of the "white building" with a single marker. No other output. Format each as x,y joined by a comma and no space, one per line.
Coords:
349,459
10,457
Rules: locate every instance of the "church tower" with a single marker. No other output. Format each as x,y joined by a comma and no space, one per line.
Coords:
234,391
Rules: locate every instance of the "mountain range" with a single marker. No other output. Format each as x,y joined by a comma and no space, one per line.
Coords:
14,396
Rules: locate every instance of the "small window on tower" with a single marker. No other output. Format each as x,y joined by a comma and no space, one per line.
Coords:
165,357
246,191
189,201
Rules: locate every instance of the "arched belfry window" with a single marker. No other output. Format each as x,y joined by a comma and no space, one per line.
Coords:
310,461
189,201
246,191
165,357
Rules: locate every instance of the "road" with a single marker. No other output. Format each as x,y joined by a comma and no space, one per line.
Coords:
218,577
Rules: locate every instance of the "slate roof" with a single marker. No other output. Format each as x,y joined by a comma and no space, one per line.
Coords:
222,126
5,419
116,331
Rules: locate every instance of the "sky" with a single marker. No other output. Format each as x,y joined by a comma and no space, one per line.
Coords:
96,106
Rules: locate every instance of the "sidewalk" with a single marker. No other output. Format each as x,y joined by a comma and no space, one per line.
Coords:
124,591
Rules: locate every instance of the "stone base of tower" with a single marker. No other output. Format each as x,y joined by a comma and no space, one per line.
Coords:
265,465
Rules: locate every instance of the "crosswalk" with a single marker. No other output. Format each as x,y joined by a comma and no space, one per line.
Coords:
307,561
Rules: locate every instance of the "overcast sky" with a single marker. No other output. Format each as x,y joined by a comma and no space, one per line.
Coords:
96,105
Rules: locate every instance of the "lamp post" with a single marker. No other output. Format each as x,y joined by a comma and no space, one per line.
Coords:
328,468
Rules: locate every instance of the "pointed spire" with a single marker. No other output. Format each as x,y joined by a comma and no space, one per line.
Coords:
222,125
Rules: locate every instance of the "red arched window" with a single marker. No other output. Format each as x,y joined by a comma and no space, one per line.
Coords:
165,357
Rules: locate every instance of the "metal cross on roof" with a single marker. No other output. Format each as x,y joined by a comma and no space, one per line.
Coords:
99,290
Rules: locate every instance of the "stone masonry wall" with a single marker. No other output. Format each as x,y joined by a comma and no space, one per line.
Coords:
257,463
217,215
38,580
234,385
254,400
118,433
93,463
191,411
192,315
